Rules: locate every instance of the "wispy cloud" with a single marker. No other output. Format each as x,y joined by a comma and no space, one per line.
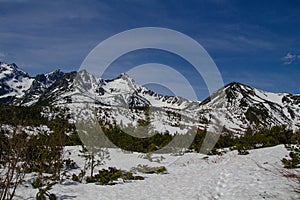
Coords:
12,1
2,55
290,58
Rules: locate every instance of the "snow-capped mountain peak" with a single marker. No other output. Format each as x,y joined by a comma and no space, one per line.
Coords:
53,76
13,82
122,84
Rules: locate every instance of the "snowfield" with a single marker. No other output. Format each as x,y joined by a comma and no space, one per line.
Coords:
191,176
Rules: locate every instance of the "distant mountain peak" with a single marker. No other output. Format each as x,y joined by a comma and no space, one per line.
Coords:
238,86
6,68
123,83
13,82
3,64
125,77
57,71
53,76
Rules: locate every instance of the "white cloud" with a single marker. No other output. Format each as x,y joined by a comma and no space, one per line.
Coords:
289,58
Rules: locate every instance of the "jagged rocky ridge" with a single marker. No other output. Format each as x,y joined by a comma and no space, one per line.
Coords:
234,108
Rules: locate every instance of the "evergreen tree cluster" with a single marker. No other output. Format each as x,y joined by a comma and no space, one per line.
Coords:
31,116
130,143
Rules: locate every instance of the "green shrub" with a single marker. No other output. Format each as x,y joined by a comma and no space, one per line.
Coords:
149,170
108,176
243,152
215,151
70,164
37,183
294,162
75,178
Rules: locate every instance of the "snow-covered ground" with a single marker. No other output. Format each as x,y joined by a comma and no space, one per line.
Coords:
191,176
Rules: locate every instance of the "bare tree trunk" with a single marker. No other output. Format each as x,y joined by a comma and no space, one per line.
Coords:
13,172
92,166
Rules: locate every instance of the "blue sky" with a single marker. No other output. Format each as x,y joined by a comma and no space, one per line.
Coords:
252,42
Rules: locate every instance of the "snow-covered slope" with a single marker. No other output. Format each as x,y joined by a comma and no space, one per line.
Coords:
13,83
242,106
258,175
136,95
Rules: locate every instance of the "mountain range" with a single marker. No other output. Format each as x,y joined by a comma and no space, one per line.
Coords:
235,107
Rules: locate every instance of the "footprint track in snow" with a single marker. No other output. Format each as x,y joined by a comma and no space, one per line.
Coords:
221,184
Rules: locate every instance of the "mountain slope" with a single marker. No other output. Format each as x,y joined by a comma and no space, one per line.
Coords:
242,106
39,86
13,83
